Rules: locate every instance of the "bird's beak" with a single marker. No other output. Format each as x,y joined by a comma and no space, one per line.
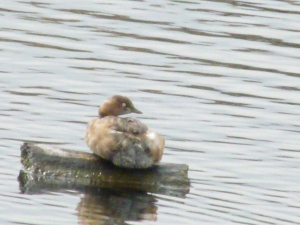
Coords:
134,110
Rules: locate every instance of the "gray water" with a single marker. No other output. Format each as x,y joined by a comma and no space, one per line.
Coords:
219,79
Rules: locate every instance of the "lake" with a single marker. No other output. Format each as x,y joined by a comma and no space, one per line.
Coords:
219,79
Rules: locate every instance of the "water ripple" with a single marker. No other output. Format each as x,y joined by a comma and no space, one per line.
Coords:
219,79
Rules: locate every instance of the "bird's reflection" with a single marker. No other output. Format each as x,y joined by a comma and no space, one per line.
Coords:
117,206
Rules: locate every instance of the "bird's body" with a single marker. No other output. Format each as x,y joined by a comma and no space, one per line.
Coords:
126,142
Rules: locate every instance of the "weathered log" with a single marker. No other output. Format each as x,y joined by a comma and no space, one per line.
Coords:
51,168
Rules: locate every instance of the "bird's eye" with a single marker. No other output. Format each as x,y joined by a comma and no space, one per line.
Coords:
124,104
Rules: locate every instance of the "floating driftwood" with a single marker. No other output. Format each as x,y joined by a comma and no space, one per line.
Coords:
51,168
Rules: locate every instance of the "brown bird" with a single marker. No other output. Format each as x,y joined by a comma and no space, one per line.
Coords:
126,142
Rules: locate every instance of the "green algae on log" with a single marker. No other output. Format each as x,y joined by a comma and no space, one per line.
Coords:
47,167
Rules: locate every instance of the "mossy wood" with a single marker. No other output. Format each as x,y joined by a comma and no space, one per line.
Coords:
47,167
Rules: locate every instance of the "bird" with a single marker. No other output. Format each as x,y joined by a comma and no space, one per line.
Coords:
124,141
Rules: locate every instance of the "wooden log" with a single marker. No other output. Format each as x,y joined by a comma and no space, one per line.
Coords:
51,168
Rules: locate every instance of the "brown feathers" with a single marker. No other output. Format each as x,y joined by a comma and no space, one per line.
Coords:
126,142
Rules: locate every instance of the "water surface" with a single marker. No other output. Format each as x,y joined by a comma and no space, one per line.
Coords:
219,79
